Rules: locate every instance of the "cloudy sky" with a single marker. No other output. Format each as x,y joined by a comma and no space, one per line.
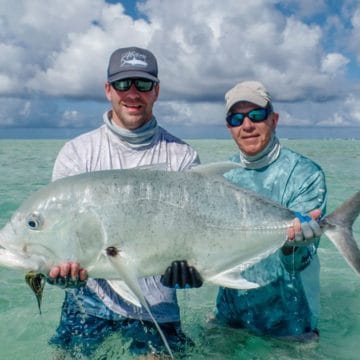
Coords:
54,55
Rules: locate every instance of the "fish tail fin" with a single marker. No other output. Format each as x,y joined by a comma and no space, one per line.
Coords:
129,276
338,228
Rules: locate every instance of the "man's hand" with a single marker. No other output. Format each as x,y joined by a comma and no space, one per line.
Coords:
67,275
180,275
305,227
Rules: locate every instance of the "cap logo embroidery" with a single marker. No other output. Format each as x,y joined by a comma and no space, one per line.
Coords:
133,58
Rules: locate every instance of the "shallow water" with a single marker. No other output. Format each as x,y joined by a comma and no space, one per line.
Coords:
25,165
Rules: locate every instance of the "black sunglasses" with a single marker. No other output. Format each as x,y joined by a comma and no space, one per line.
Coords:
142,85
255,115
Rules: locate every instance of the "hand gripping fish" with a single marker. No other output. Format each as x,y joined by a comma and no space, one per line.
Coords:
126,224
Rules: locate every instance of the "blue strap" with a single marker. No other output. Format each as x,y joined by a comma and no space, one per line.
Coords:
303,218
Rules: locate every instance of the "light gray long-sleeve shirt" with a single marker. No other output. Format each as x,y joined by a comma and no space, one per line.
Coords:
104,149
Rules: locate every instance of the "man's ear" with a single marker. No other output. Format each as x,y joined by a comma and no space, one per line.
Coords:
274,120
157,90
107,88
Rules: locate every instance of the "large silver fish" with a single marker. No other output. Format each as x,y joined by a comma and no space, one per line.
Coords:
125,224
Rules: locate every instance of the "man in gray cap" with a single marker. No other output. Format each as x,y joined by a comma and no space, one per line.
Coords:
129,137
287,302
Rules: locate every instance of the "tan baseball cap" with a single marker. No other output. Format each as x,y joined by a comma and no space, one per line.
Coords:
250,91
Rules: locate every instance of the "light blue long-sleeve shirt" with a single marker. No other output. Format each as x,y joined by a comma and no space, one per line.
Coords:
288,299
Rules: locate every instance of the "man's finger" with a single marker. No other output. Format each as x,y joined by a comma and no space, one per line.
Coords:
315,227
74,271
315,214
54,272
64,269
83,275
307,230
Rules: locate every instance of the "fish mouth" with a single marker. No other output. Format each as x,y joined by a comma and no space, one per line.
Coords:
18,260
15,259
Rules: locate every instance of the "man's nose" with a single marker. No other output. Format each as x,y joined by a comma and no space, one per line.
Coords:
133,91
247,123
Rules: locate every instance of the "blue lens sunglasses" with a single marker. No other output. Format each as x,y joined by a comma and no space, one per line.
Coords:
255,115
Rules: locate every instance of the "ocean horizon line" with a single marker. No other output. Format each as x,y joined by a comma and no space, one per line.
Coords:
186,132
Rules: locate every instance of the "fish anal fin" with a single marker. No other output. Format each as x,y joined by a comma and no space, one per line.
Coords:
122,289
127,270
229,281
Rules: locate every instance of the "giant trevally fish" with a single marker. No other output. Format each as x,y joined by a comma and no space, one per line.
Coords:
125,224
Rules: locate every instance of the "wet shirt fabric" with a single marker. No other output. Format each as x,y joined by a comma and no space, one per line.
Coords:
105,149
288,299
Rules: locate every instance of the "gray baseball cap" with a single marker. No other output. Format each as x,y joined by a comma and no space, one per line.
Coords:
132,62
250,91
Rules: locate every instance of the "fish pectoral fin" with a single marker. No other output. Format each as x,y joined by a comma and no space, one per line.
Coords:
88,236
229,280
122,289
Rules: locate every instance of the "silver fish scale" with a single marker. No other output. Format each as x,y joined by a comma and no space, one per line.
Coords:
152,217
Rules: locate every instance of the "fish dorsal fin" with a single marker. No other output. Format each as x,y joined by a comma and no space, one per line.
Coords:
122,289
125,267
217,168
157,167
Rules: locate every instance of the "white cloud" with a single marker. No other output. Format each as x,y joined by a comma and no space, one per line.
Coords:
187,114
199,55
56,48
7,86
352,102
69,117
335,119
334,63
79,68
25,110
34,32
305,8
21,112
355,36
341,112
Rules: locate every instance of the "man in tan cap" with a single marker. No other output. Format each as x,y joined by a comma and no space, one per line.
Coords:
287,302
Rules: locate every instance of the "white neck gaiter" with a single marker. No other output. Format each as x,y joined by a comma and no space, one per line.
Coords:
139,137
267,156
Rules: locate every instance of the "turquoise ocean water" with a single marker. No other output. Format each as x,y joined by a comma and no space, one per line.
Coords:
25,165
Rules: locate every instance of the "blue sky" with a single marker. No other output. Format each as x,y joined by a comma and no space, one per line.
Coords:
54,57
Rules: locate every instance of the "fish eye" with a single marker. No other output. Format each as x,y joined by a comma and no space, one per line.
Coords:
34,221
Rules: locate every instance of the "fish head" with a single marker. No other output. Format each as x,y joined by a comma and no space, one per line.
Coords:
54,225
